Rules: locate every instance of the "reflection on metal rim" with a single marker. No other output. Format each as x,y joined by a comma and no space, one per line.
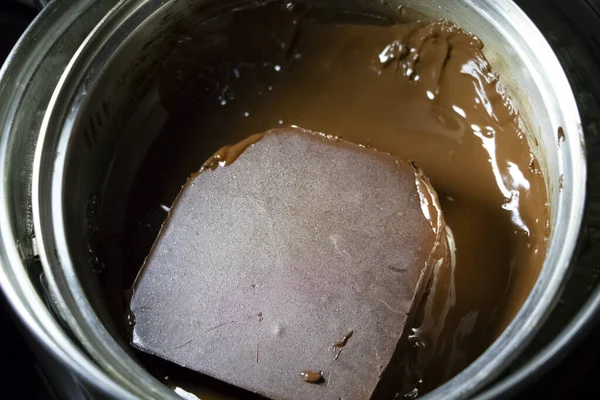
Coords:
553,353
18,71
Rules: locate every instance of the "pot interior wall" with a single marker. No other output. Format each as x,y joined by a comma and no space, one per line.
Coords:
114,210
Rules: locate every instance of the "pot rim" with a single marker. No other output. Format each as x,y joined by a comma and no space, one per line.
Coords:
16,283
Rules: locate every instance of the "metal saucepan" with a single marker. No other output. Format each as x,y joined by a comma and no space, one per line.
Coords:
76,59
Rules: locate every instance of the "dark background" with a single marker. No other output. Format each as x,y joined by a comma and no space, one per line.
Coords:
573,29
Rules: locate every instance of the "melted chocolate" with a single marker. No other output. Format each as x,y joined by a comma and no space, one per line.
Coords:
312,376
345,339
421,91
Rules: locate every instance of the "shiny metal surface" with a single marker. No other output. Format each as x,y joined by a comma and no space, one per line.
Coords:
27,79
66,175
572,30
581,324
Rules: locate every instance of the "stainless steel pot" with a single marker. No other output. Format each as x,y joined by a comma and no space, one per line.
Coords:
104,70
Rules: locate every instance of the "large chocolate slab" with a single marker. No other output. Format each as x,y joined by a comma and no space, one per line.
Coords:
305,254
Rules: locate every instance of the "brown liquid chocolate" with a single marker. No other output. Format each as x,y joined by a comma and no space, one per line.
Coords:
312,376
420,91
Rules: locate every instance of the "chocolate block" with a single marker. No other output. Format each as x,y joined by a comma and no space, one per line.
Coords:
293,270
